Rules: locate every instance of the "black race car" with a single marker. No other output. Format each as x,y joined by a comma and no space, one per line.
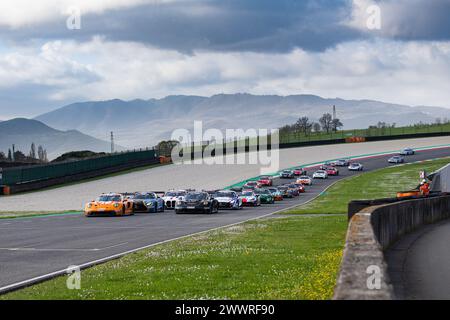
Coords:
201,202
287,174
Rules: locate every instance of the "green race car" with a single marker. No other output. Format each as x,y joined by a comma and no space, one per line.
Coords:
265,196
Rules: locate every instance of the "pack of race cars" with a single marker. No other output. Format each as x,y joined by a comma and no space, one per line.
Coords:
251,194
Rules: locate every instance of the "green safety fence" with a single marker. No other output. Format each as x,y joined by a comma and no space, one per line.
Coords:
13,176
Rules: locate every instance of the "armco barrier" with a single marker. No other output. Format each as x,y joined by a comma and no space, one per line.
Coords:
370,232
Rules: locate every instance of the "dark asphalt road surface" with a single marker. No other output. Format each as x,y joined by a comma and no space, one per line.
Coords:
419,264
32,247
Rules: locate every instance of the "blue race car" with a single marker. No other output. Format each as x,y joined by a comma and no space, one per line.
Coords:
147,202
228,199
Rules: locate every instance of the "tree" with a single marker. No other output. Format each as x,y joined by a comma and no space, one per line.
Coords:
33,151
2,156
304,125
326,122
164,148
41,155
316,127
336,124
19,156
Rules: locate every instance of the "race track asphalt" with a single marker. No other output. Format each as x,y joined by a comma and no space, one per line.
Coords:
33,247
419,264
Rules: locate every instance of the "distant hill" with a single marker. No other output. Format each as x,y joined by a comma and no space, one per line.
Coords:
140,123
23,132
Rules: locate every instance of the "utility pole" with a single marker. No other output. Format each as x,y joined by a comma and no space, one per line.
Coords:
13,152
334,112
112,142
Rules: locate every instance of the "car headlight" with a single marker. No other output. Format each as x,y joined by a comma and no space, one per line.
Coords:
149,204
89,205
205,203
179,202
116,205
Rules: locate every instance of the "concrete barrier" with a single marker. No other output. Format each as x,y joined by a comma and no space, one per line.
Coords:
363,274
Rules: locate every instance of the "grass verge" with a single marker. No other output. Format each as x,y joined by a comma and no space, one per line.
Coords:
381,183
293,257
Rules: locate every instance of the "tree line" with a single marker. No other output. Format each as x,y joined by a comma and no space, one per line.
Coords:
36,154
305,126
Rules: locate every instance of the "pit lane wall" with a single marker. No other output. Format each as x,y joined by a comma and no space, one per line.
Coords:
363,274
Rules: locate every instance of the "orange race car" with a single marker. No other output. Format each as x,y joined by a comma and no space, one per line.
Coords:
111,204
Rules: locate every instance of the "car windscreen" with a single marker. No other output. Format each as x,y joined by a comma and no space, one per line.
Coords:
304,178
144,196
195,196
247,194
109,198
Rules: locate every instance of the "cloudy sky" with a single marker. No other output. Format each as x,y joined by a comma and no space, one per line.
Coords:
145,49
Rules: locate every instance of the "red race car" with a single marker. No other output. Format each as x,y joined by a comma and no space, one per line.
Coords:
265,181
299,172
332,171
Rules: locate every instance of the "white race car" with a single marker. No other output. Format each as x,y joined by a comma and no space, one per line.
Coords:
171,197
320,174
355,167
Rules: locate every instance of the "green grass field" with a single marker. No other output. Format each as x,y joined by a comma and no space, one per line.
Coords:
382,183
279,258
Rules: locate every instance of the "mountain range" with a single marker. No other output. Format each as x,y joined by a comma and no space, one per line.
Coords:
22,132
141,123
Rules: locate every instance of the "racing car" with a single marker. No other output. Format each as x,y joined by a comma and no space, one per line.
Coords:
331,171
396,159
342,163
228,199
201,202
407,152
147,202
276,194
171,197
356,167
265,181
320,174
300,187
294,189
110,204
251,185
305,180
265,196
287,174
286,192
299,171
250,198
